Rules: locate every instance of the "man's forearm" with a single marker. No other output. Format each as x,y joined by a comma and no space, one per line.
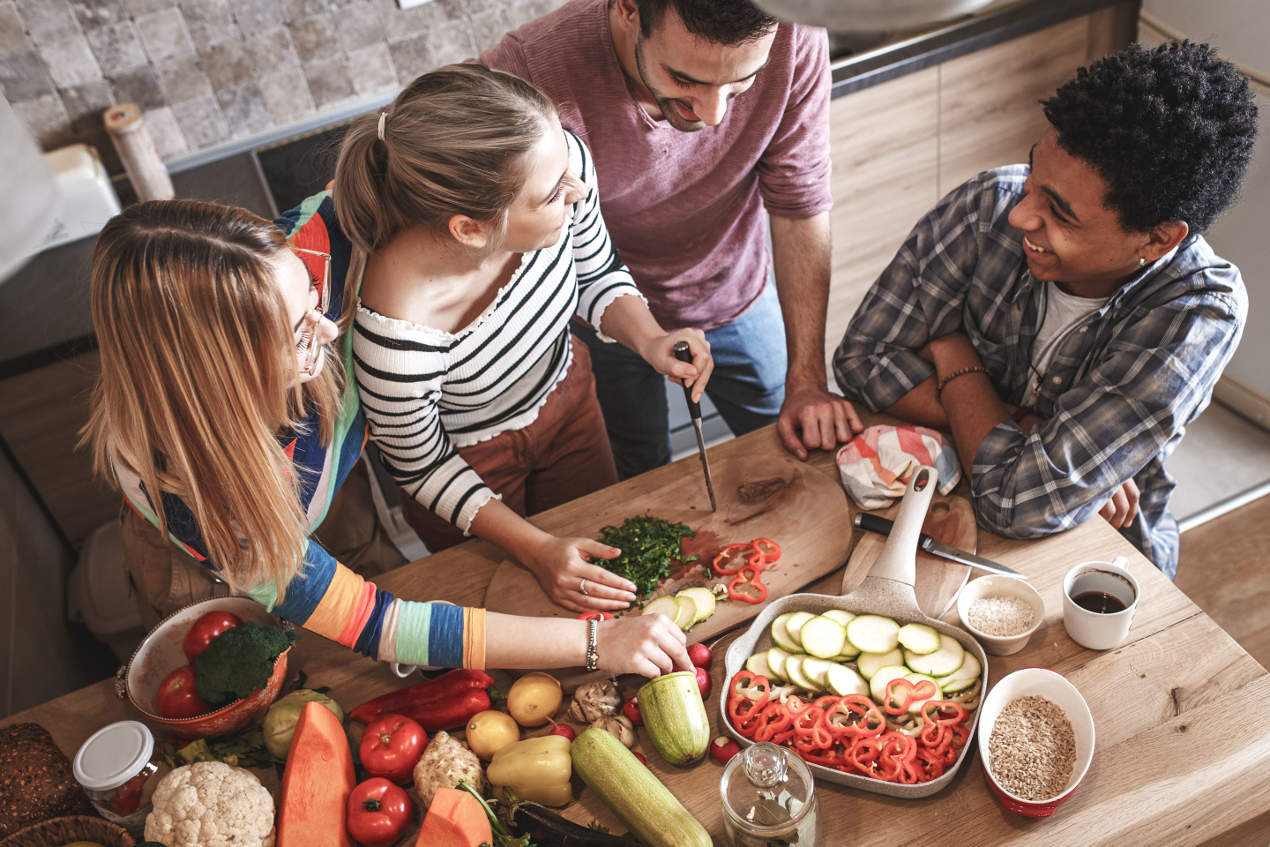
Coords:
801,249
970,402
920,407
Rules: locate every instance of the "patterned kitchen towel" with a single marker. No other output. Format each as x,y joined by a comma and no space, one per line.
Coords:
875,465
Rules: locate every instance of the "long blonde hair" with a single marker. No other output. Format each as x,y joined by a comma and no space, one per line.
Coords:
199,376
453,143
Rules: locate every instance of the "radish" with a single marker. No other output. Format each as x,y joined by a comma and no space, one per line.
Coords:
700,655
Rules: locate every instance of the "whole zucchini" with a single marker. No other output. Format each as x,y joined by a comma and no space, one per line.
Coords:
632,791
675,717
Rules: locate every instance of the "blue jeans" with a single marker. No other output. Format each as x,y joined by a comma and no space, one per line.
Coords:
747,387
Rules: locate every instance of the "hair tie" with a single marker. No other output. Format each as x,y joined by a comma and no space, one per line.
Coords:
383,117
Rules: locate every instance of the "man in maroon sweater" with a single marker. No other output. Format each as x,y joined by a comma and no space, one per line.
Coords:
703,115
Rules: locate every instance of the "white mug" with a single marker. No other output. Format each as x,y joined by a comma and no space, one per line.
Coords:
1099,630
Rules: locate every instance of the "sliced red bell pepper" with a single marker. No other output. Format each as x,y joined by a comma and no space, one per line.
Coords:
944,712
767,548
774,718
743,554
436,692
810,726
855,716
931,763
748,576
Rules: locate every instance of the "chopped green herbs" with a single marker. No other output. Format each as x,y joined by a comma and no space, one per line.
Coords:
650,546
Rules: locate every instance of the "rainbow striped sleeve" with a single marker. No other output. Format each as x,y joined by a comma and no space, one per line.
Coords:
332,601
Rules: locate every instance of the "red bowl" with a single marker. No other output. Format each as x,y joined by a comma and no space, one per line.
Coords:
160,653
1055,688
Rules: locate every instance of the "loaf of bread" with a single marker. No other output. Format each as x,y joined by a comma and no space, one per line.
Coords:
36,781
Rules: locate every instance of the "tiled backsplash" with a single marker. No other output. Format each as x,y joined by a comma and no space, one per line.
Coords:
206,72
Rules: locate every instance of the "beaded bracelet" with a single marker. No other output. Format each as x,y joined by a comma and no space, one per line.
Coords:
592,656
974,369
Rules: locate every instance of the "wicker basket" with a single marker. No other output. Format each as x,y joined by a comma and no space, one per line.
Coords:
58,831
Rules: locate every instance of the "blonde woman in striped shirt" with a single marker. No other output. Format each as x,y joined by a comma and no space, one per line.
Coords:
479,215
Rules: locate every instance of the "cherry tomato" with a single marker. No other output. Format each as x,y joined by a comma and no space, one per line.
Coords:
703,682
631,709
205,630
563,729
391,746
700,655
177,697
378,813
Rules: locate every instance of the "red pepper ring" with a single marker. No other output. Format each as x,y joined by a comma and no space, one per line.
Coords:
935,737
597,614
863,755
767,548
774,718
725,557
960,735
932,763
947,712
750,686
749,577
848,718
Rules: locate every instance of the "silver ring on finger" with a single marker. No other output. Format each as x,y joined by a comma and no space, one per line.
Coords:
582,587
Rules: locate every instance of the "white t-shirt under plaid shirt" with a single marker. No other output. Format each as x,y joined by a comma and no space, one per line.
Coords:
427,392
1117,394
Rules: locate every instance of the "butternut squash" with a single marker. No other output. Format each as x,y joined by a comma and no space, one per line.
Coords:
316,783
455,819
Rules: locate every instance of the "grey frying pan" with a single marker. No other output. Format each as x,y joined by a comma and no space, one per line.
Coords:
888,591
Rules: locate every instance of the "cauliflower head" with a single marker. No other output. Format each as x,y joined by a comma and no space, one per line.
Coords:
445,763
210,804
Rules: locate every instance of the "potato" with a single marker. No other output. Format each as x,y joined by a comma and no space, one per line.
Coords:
534,698
490,731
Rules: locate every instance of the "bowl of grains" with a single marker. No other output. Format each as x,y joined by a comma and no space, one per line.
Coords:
1036,740
1001,611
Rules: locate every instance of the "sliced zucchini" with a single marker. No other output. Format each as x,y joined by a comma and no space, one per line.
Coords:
703,598
757,664
842,681
842,616
918,638
794,670
963,677
685,611
873,633
776,663
822,637
942,662
916,705
780,634
794,627
667,606
879,680
849,652
868,663
815,670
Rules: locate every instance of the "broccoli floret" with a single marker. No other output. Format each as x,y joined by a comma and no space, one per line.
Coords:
239,662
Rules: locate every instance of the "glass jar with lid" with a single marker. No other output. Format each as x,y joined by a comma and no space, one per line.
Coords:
118,770
769,799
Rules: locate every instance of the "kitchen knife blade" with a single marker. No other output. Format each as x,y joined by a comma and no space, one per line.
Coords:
882,526
683,354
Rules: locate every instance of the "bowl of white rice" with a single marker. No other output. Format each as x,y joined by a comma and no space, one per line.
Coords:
1002,612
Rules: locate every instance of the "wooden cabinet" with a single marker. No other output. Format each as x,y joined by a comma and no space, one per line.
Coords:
899,146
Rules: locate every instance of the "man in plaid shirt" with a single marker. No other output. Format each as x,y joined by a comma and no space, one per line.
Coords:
1065,319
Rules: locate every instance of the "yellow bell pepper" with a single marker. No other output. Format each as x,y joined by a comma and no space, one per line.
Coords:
536,769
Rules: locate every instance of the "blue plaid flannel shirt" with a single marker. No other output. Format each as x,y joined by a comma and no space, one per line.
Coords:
1117,396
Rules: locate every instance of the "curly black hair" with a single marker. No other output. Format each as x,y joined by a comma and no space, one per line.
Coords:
1170,129
723,21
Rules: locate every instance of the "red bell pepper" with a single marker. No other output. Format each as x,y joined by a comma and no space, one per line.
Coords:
767,548
444,702
901,693
742,555
775,718
749,576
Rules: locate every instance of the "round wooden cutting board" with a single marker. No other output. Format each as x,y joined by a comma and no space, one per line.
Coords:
800,507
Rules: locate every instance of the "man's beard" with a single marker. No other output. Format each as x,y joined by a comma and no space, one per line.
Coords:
669,109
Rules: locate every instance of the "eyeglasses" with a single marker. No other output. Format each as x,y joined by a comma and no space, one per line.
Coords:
318,264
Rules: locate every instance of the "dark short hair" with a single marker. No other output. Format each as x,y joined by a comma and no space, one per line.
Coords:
1170,129
723,21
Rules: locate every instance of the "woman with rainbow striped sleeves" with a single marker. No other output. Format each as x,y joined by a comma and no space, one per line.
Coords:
224,414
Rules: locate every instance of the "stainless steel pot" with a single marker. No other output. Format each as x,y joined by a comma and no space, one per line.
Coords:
887,590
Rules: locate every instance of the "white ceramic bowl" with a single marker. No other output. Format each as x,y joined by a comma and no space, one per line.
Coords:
1055,688
1008,586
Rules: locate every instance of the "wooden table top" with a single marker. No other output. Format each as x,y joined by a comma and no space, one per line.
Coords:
1181,752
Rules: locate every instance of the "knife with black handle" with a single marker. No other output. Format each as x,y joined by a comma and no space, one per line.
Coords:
882,526
683,354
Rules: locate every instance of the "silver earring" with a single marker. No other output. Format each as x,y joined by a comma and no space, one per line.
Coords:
1142,262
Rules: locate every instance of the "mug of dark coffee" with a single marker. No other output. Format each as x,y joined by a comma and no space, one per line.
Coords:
1099,601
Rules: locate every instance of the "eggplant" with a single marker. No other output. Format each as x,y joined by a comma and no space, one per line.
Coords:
550,829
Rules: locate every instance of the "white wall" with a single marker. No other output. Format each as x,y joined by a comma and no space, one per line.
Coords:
1239,30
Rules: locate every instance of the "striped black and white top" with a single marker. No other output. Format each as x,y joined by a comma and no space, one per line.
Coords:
427,392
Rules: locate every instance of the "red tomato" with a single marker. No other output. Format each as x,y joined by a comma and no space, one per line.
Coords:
178,698
391,746
378,813
703,682
205,630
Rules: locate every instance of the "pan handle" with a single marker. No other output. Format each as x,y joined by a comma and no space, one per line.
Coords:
898,558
